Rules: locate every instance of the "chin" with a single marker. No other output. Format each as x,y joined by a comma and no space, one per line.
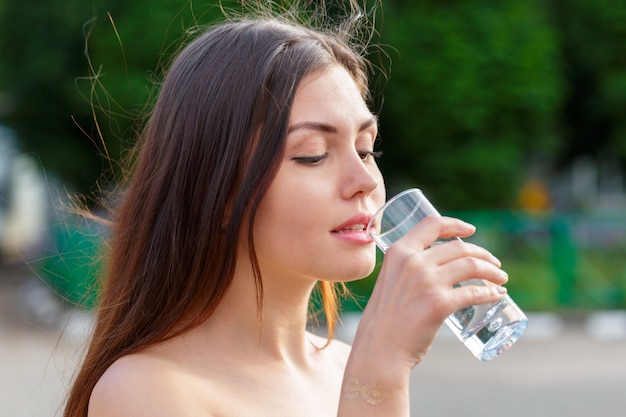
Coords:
359,272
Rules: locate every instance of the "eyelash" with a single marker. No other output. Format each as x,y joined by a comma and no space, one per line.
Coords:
365,155
311,160
317,159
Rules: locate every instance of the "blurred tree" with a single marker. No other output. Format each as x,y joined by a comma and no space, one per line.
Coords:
3,40
477,87
64,108
41,45
474,91
594,61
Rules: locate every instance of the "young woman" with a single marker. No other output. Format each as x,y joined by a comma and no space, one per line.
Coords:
253,183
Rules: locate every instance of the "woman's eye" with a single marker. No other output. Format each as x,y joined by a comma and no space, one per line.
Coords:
310,160
365,155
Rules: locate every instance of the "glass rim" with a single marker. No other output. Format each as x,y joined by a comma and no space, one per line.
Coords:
380,211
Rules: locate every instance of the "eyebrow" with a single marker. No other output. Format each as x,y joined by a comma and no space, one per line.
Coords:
323,127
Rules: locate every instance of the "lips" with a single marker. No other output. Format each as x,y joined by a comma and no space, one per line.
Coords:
357,223
352,228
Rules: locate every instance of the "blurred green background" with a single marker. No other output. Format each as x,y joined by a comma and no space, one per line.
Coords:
508,114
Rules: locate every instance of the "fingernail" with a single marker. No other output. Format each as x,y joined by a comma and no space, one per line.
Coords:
471,226
501,290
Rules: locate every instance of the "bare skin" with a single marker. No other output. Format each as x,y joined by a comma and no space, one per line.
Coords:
241,364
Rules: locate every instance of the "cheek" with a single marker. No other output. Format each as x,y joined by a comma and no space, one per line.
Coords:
285,216
285,237
293,199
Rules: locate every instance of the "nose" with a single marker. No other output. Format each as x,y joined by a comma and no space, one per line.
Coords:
359,178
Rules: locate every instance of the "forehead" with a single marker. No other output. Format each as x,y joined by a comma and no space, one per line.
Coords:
331,94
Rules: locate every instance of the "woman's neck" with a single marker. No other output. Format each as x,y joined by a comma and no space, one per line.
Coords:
275,331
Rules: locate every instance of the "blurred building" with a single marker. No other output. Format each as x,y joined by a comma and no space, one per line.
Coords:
23,203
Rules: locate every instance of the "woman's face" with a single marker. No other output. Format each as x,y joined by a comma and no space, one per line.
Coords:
311,222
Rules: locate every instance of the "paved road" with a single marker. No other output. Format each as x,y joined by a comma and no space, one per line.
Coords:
555,370
573,367
571,375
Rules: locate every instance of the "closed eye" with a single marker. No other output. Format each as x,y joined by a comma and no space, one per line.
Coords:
310,160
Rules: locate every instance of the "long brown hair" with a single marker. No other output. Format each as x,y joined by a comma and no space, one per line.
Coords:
205,159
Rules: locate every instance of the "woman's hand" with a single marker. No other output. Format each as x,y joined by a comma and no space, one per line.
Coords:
416,291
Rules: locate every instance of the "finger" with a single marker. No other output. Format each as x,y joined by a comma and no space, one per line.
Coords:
467,268
431,228
465,229
476,294
447,251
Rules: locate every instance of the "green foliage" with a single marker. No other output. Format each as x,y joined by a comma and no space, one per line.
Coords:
594,60
40,43
474,90
129,47
477,87
79,119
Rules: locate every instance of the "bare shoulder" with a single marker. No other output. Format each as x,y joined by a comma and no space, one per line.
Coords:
143,385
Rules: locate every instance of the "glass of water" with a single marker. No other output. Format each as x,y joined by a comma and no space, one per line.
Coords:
487,330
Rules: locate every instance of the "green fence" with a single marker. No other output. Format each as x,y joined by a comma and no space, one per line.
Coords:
563,260
555,261
73,261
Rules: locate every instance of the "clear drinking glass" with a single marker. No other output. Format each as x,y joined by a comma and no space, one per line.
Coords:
487,330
